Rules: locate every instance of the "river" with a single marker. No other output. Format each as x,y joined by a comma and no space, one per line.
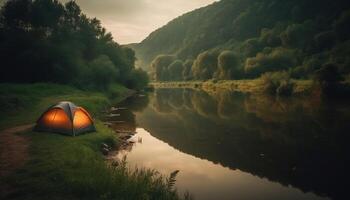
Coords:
228,145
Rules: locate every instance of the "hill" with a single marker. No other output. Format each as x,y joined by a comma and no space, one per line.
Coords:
237,39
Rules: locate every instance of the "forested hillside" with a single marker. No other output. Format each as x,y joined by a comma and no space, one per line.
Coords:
238,39
46,41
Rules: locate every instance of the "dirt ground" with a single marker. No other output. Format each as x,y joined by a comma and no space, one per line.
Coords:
13,153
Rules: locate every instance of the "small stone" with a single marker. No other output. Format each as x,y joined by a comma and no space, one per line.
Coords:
104,145
105,151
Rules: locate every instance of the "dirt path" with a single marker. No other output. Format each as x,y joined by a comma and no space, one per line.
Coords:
13,152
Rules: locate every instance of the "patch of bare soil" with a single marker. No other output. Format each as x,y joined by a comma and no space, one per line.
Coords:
13,154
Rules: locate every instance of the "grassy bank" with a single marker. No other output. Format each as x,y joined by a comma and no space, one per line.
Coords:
63,167
245,86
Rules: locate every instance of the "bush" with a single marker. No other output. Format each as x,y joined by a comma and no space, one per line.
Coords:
285,88
277,83
270,85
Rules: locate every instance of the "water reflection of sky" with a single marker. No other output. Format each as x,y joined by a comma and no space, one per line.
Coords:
204,179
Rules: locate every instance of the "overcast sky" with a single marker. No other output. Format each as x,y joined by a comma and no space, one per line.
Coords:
131,21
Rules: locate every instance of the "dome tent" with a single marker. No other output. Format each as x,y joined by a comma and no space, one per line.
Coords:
65,118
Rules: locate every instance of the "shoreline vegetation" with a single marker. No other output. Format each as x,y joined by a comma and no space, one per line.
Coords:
273,47
61,167
272,84
256,86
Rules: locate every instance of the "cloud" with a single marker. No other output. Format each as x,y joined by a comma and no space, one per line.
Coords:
132,20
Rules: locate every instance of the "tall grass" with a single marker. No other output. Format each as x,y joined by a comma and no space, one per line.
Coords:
73,167
63,167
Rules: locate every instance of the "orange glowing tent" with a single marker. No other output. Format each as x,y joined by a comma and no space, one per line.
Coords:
65,118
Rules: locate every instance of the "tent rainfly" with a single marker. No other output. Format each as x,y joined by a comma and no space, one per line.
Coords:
65,118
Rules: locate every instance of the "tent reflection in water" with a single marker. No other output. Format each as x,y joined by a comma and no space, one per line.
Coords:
65,118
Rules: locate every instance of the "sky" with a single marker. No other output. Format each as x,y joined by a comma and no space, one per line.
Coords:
130,21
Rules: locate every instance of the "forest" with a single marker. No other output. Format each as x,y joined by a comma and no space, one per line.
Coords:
236,99
46,41
247,39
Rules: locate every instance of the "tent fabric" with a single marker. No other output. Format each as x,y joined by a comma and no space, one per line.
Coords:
65,118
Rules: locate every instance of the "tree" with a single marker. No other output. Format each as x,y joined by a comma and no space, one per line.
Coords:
205,65
102,72
228,64
160,65
48,41
251,47
138,79
276,60
187,70
175,70
328,74
298,35
325,40
342,26
328,78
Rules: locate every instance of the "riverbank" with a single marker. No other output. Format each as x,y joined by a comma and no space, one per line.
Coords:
60,167
255,86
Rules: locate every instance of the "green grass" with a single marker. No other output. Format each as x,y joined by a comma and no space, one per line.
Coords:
24,103
62,167
73,168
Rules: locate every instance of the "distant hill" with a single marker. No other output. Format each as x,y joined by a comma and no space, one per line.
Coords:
254,36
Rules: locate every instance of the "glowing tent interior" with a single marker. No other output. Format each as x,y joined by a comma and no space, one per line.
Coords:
65,118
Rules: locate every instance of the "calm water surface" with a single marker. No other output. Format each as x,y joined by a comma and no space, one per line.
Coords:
234,146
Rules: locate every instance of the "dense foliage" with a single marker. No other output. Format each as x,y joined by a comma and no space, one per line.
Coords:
239,39
45,41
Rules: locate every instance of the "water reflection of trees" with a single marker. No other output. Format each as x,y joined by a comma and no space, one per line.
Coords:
292,141
122,118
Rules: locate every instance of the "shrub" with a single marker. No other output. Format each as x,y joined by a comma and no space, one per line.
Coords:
270,85
277,83
285,88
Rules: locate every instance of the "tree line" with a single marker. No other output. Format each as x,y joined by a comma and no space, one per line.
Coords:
244,39
47,41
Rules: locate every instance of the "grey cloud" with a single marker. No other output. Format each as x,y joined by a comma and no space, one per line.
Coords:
132,20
